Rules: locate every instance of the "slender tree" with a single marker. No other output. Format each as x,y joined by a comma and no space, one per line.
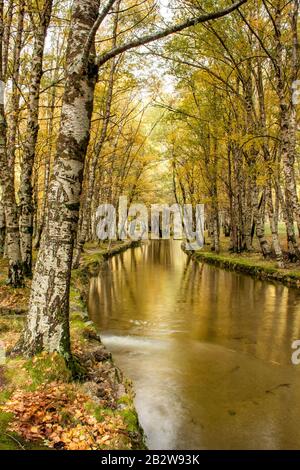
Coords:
40,27
15,276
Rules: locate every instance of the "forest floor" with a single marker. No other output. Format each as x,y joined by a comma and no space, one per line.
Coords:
41,405
253,263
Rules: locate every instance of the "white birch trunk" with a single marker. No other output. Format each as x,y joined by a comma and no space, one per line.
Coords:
26,190
47,325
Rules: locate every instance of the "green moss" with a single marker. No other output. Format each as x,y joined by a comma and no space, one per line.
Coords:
77,317
134,429
4,396
75,299
131,420
15,374
10,440
129,416
7,440
47,368
78,322
97,411
125,400
252,265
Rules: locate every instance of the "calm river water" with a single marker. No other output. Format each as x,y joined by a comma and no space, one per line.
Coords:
209,351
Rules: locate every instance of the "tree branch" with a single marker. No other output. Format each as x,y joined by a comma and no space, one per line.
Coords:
102,15
102,59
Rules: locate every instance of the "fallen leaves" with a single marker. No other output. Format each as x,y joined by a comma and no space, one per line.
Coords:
57,414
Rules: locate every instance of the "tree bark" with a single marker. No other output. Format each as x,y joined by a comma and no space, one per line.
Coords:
274,226
26,190
287,125
2,229
47,326
92,164
15,100
15,277
6,36
47,169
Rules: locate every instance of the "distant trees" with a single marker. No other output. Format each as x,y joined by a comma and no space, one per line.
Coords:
239,124
16,18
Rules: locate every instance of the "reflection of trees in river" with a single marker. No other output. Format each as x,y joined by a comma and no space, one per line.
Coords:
253,316
190,282
190,321
158,284
102,294
133,281
159,252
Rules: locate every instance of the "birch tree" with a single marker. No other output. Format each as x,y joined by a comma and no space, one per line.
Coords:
92,164
2,228
40,24
15,276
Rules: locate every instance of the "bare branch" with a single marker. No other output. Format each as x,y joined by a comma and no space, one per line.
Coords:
102,15
102,59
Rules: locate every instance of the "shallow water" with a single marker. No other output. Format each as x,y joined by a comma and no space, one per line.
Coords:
209,351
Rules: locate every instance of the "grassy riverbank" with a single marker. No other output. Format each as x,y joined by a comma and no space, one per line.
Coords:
251,263
41,405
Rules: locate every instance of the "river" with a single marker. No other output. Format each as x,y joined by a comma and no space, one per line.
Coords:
208,351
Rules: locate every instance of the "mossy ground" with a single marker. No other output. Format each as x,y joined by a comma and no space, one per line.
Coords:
25,376
10,440
253,263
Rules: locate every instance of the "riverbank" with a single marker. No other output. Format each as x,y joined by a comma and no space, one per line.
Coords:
220,342
41,405
251,264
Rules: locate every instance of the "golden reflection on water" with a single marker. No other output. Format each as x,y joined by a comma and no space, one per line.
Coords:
209,351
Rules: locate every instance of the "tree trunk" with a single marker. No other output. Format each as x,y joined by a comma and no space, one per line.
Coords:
273,214
47,326
15,100
274,227
91,175
2,229
287,126
6,36
259,216
26,190
41,221
15,278
92,164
